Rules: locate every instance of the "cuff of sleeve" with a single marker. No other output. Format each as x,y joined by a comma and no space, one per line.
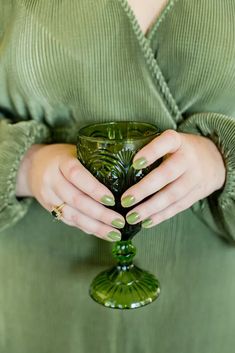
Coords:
15,140
221,130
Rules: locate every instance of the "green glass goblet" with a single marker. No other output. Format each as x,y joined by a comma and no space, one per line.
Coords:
107,151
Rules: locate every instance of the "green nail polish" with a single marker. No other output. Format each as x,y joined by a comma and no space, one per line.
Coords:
119,223
114,236
140,163
128,201
132,218
108,200
147,223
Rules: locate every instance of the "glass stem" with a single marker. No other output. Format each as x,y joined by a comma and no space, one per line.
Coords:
124,252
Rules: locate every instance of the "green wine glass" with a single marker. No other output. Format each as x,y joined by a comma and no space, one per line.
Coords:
107,150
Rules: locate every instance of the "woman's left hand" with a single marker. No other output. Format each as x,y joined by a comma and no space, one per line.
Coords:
192,169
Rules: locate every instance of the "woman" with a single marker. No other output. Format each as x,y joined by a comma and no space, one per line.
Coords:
67,64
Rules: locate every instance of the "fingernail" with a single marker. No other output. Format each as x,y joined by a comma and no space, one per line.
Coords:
108,200
119,223
140,163
114,236
132,218
147,223
128,201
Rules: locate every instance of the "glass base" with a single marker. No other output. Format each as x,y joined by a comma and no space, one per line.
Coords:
125,287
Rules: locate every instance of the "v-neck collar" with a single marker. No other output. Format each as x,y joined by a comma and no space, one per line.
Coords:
145,45
155,23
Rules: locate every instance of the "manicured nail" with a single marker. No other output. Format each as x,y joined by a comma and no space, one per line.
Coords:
140,163
119,223
128,201
108,200
132,218
147,223
114,236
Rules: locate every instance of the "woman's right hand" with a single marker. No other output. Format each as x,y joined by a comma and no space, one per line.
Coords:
56,176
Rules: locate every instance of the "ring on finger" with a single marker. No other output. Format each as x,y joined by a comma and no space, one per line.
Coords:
57,211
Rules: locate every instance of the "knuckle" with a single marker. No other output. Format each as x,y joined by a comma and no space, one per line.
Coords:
73,218
101,214
172,196
73,172
69,162
90,209
93,226
147,208
101,228
148,211
76,200
93,189
173,135
169,172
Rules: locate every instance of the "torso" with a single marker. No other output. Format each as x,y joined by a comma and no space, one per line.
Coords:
147,12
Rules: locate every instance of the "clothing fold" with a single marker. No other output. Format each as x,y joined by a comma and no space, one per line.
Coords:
66,64
218,209
15,140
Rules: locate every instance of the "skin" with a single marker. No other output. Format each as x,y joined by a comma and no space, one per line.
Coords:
192,169
53,175
147,12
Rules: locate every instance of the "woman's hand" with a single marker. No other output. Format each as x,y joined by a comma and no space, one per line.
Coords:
54,175
192,169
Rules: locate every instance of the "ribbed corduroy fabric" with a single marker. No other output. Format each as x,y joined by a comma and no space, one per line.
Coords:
64,64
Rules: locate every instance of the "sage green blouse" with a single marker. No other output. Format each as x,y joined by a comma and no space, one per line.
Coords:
67,63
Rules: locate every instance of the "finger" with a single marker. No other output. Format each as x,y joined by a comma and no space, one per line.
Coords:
83,203
87,224
168,142
168,171
82,179
169,195
172,210
90,225
49,200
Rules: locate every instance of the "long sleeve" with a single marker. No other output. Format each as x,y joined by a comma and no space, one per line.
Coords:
217,210
15,139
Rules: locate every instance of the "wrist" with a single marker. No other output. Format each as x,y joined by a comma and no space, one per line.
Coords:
220,168
22,184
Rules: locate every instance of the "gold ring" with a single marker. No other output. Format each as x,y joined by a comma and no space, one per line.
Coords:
56,211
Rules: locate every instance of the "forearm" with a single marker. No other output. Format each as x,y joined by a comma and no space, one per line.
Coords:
22,184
